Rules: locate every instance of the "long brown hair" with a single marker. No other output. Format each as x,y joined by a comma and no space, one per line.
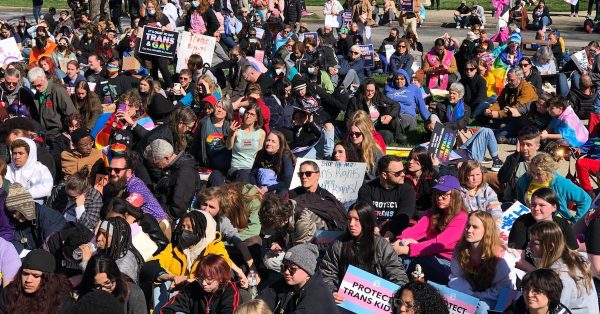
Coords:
48,299
480,275
368,146
85,106
441,217
554,248
262,156
234,203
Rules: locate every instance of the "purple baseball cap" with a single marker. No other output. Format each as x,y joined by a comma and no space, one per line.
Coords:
447,183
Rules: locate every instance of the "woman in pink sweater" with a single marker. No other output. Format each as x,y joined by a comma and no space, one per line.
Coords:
431,241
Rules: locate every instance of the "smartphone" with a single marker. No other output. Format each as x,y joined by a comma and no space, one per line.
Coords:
123,107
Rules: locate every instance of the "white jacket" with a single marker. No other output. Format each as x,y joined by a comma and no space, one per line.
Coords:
34,176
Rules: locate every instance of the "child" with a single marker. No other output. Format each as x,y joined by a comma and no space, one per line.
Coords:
565,125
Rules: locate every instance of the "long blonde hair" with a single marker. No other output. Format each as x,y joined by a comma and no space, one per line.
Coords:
368,146
480,275
553,246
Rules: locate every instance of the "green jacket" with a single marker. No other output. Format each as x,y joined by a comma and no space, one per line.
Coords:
56,105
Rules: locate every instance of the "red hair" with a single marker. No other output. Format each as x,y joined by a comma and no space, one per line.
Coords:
50,62
214,267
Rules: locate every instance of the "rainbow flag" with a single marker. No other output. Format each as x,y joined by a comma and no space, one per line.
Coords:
110,151
103,134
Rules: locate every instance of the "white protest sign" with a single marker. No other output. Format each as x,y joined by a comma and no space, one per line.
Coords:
389,51
190,44
342,179
508,218
332,20
581,60
9,51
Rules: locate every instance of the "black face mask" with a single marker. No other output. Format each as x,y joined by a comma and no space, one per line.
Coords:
187,239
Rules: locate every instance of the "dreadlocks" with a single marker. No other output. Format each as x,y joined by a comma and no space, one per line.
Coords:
119,230
198,226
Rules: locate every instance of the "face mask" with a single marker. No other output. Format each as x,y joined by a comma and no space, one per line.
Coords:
61,47
187,239
195,4
151,12
111,69
278,71
252,40
311,70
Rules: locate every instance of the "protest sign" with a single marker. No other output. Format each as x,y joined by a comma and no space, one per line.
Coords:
365,293
260,33
259,55
458,302
571,2
367,54
131,64
389,51
9,51
581,61
347,18
332,21
158,43
406,5
508,218
342,179
303,36
441,143
194,44
324,238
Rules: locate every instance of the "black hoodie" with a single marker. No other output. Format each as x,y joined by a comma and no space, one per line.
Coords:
582,104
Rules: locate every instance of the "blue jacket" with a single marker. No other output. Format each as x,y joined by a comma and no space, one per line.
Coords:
409,97
359,66
401,62
566,191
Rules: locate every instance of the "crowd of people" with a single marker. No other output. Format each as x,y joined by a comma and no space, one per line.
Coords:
129,187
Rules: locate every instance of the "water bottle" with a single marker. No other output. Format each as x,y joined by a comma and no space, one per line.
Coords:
78,254
252,284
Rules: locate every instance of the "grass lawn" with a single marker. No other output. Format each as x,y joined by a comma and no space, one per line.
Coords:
554,5
59,4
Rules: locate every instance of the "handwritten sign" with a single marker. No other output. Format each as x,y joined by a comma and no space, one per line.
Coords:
332,21
365,293
260,33
367,54
508,218
342,179
581,61
313,35
441,143
9,51
347,18
158,43
406,5
194,44
324,238
458,302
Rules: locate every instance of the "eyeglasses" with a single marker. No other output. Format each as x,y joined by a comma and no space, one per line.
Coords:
107,285
356,134
470,69
251,114
396,173
398,303
189,126
116,170
308,174
292,268
524,65
402,46
11,83
183,78
443,196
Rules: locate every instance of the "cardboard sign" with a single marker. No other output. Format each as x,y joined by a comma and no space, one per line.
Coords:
158,43
342,179
458,302
347,18
332,21
365,293
194,44
508,218
131,64
303,36
406,5
367,54
9,51
441,143
324,238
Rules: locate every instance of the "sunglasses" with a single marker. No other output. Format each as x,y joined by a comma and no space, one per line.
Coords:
116,170
471,69
397,173
289,267
402,46
356,134
308,174
524,65
11,83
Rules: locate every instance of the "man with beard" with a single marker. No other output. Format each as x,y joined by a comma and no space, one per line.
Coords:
84,154
13,93
515,98
33,222
177,186
122,181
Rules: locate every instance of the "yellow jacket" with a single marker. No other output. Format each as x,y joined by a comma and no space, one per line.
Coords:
173,261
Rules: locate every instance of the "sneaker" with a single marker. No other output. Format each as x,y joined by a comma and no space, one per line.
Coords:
571,15
457,26
576,14
502,140
496,164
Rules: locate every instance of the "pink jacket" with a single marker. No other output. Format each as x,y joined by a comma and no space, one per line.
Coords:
435,243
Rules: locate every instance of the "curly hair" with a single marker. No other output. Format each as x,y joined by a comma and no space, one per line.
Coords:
427,299
66,122
274,211
544,162
480,275
46,300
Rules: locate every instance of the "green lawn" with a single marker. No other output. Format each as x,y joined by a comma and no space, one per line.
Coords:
554,5
59,4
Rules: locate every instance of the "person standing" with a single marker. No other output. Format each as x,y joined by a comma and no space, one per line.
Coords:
37,10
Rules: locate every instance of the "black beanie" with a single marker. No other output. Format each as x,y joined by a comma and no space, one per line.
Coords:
159,107
39,260
79,134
